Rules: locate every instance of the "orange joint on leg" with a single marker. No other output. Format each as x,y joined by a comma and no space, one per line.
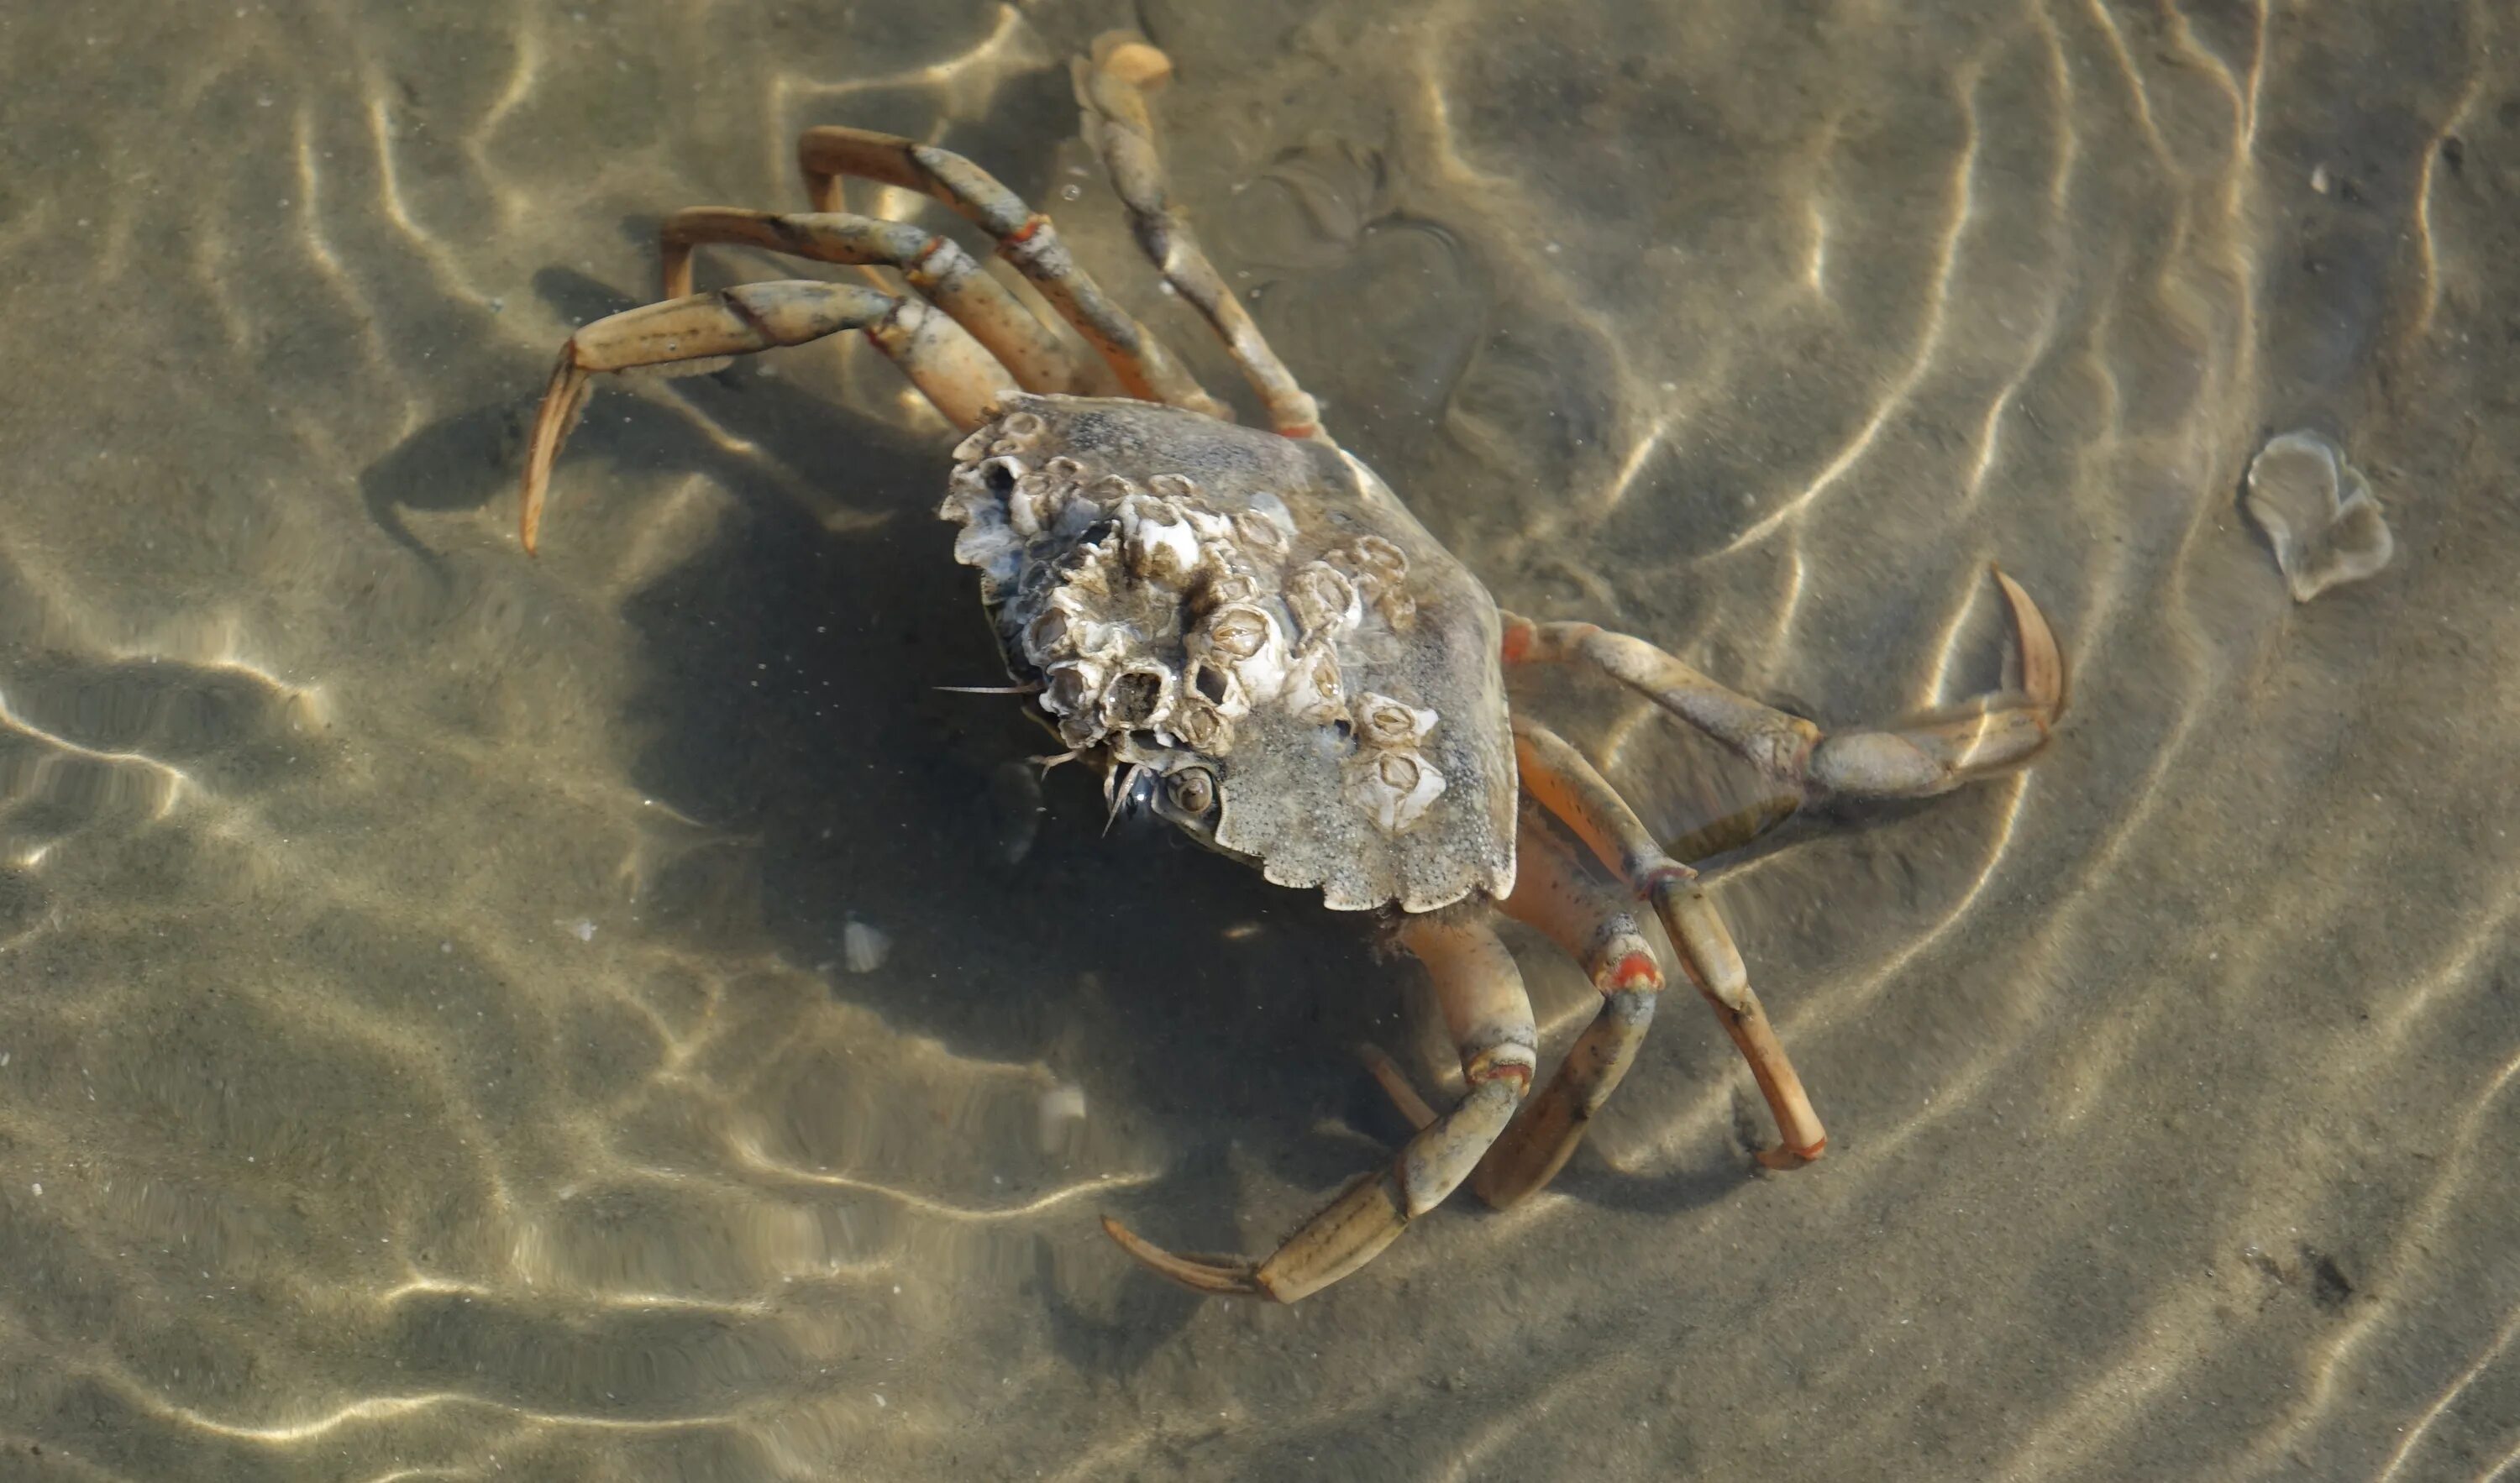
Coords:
1518,636
1670,872
1305,429
1637,970
1033,224
1497,1062
921,267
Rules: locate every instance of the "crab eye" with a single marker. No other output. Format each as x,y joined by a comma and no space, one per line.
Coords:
1192,790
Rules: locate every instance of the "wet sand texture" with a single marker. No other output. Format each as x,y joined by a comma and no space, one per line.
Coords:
440,1031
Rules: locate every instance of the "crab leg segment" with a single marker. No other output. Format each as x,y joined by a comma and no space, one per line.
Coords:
944,362
1114,87
1558,778
1556,892
1025,239
1490,1018
1932,756
934,265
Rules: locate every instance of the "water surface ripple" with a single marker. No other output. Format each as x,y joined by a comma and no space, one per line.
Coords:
432,1044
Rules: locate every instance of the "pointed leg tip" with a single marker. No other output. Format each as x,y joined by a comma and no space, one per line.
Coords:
1782,1158
1228,1276
2043,666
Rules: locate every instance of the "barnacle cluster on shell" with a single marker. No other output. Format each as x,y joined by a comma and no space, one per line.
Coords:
1161,620
1389,776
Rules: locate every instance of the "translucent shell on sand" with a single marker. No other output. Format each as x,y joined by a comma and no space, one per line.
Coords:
2319,514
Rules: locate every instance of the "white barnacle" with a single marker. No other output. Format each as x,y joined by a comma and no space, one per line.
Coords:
1036,502
1260,534
1215,531
1382,721
1325,602
1163,548
1312,691
1374,554
1073,686
999,473
1174,486
1216,684
1394,788
1237,630
1203,727
1061,633
1139,698
1265,508
970,449
1093,567
1085,633
1018,433
1243,639
1381,575
1111,490
1050,636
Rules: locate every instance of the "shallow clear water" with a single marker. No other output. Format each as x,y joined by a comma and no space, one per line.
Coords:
437,1031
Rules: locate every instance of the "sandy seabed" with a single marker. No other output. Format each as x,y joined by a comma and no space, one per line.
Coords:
609,1016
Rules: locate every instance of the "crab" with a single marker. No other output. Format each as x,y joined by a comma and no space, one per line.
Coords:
1247,634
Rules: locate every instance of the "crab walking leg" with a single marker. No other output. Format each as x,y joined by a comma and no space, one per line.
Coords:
1112,87
1026,238
946,363
934,265
1490,1020
1589,917
1931,757
1558,778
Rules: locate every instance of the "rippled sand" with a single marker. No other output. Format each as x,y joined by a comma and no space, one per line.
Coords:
428,1041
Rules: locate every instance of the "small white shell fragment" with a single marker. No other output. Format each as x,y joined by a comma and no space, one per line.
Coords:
863,947
2319,514
1061,1106
585,931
